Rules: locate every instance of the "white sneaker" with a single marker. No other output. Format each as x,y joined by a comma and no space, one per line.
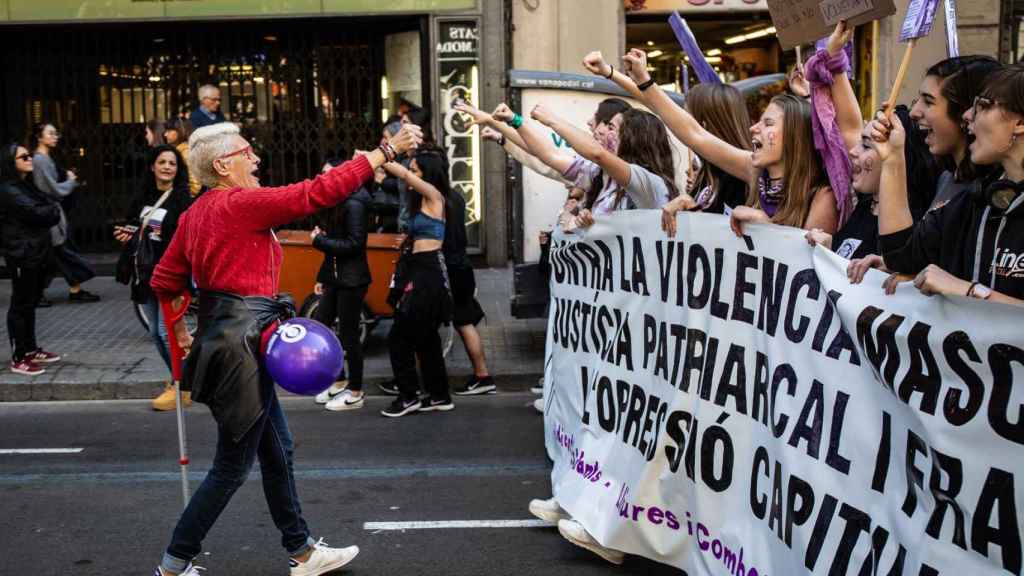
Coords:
548,510
345,401
334,390
323,560
574,532
538,405
191,570
539,388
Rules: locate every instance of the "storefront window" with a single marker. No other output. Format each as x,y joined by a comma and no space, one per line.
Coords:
458,74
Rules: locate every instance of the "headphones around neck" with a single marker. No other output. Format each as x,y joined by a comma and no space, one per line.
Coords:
1001,194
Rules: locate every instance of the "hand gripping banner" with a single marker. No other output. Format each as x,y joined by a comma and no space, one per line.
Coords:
734,406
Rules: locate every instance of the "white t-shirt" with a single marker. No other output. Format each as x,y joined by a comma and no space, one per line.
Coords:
646,190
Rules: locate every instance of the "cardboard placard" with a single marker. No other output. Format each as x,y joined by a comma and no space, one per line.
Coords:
804,21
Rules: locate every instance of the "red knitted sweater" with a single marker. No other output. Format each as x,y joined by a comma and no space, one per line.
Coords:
225,240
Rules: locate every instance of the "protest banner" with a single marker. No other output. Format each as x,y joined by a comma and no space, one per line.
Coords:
804,21
734,406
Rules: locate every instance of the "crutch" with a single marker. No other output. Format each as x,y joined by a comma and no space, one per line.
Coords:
171,317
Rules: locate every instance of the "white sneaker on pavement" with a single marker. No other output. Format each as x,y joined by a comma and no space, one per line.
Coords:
539,388
538,405
323,560
191,570
345,401
332,392
574,532
548,510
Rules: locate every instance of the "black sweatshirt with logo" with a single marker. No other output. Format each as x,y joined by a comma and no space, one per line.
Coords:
967,238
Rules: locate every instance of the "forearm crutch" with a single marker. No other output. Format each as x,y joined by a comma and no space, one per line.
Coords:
172,317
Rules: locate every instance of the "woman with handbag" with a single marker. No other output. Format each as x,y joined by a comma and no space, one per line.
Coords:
164,196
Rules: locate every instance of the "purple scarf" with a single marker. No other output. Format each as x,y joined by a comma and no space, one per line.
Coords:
770,192
828,140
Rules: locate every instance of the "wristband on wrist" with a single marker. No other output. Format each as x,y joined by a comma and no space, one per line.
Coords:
516,121
611,72
646,85
501,140
389,151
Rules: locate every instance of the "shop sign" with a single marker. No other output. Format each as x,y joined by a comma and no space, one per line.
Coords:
458,77
113,10
702,6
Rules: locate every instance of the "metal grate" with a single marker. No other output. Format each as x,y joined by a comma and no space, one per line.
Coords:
302,90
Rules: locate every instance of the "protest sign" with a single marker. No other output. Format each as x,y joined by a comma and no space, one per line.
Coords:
735,406
804,21
952,38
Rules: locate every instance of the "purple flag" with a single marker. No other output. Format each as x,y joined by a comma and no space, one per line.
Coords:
705,73
919,19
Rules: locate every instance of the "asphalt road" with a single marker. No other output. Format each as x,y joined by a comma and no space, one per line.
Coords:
110,508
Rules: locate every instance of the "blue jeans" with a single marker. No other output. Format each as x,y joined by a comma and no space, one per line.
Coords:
157,330
271,442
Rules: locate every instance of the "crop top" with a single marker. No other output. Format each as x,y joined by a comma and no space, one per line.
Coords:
424,227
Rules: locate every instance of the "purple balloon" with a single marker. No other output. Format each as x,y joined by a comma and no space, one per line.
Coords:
304,356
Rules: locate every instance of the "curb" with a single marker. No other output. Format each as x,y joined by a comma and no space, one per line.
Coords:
70,391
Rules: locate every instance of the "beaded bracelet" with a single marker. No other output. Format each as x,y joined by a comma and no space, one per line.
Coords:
389,151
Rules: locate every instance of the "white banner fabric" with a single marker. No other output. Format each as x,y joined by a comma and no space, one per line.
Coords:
734,406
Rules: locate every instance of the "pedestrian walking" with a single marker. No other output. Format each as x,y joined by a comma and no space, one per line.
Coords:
162,199
226,245
342,282
26,215
75,269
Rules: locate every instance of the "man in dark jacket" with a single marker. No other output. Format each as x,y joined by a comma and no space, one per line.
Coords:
208,111
26,216
343,280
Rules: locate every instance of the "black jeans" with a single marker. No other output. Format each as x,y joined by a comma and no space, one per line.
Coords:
406,341
346,304
27,283
270,441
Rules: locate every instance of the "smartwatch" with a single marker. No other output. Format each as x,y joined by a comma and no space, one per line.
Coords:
979,291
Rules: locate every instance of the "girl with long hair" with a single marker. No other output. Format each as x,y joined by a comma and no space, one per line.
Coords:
971,245
26,215
640,170
787,182
425,300
154,213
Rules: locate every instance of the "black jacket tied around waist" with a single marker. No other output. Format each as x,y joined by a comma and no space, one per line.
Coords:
225,369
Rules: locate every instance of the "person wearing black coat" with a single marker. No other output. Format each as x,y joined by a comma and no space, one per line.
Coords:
343,280
26,216
164,196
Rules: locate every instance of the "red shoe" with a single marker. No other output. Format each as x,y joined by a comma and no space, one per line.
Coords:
41,356
26,366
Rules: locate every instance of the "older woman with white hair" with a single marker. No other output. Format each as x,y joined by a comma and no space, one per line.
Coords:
225,243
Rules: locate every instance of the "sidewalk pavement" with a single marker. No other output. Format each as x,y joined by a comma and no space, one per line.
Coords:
107,353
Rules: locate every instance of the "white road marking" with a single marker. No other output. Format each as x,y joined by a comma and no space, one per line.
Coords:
447,524
40,450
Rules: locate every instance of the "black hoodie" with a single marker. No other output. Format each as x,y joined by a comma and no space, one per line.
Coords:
967,238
